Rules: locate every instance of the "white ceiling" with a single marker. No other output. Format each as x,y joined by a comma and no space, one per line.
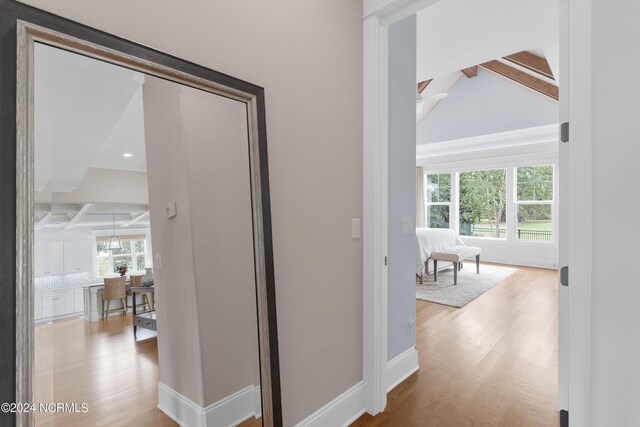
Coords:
88,113
456,34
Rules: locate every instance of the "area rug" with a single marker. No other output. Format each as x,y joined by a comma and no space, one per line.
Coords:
470,285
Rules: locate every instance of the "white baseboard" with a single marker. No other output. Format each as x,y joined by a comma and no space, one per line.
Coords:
228,412
340,412
519,261
401,367
179,408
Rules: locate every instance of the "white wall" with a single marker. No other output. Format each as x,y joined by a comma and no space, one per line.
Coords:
402,186
308,56
456,34
485,104
537,145
615,342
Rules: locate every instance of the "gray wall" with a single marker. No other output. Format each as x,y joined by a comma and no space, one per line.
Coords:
308,56
485,104
402,184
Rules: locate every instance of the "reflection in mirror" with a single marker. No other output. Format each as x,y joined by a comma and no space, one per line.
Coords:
144,278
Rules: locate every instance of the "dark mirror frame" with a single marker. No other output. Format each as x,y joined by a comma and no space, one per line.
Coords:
20,27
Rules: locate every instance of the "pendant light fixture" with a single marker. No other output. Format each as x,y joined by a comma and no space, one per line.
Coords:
114,241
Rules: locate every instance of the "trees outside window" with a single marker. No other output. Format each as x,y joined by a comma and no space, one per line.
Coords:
438,199
483,202
534,199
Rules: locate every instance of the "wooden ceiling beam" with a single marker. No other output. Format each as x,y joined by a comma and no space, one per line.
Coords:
531,62
470,72
523,78
423,85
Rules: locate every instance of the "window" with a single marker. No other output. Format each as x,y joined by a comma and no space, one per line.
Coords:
438,199
534,200
483,201
133,254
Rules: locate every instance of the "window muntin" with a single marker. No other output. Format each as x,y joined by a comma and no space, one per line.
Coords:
534,202
133,254
438,200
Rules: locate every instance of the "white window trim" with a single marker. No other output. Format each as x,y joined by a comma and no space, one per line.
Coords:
512,202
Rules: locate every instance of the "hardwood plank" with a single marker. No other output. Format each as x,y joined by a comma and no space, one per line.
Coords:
531,62
523,78
100,364
493,362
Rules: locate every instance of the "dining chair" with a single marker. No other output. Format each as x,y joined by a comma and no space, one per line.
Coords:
137,281
114,289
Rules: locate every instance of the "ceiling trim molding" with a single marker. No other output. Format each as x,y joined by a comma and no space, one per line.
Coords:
492,141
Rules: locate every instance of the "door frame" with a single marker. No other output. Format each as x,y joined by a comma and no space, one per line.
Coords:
575,235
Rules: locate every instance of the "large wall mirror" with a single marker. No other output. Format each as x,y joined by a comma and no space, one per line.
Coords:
143,270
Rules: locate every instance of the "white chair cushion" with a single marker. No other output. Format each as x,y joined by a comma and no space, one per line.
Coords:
456,253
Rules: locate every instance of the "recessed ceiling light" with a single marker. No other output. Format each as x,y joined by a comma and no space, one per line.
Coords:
127,155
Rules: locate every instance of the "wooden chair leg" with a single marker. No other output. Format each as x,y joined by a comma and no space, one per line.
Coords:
435,270
106,313
124,305
477,264
455,273
426,267
461,265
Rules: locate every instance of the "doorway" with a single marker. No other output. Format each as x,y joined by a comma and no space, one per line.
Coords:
376,30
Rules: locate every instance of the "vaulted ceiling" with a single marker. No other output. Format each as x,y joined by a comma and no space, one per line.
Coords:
526,68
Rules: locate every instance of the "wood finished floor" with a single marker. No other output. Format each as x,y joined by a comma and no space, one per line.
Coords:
100,364
490,363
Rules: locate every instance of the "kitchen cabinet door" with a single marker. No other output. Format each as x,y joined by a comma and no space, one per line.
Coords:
70,256
47,305
85,255
37,306
78,300
55,259
63,302
40,251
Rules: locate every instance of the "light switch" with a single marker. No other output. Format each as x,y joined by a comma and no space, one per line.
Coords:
355,228
407,225
157,261
170,210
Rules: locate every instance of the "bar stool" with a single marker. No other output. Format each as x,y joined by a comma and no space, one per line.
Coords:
114,289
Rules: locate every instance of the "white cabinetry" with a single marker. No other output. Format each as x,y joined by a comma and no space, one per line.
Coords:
60,303
78,300
49,258
37,306
78,256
